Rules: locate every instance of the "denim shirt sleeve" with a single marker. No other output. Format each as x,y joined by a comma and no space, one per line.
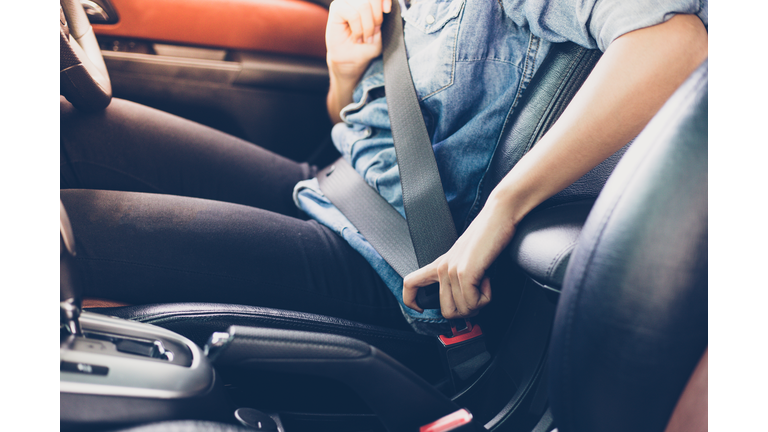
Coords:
596,23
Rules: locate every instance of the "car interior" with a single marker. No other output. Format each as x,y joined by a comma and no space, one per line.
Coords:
600,316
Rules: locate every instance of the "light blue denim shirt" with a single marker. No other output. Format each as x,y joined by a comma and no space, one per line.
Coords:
471,60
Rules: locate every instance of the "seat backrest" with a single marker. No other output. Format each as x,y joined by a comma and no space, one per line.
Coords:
551,89
631,322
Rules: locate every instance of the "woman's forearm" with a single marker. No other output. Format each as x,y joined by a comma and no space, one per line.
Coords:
339,94
637,74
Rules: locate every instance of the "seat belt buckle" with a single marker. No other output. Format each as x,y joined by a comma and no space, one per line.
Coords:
464,351
458,421
462,330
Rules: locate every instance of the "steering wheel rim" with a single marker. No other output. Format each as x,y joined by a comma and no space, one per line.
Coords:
84,79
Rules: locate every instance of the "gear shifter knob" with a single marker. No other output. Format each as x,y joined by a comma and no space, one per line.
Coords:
71,298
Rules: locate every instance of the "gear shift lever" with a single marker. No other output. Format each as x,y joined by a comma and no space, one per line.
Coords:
71,298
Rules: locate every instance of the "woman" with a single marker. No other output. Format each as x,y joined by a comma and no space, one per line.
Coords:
470,61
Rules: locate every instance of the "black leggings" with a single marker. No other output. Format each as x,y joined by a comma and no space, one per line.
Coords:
167,210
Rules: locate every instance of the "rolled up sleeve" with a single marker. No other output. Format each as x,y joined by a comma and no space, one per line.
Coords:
596,23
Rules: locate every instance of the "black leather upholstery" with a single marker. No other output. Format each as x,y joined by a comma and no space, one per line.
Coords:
590,184
631,323
197,321
401,400
544,241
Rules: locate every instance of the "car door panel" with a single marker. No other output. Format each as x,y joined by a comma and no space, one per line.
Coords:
279,26
252,68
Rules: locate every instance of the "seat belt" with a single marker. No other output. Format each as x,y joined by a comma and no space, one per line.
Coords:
428,230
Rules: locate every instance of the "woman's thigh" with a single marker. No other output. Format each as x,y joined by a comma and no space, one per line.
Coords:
146,248
131,147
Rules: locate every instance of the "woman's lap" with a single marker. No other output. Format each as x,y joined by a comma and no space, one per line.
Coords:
190,214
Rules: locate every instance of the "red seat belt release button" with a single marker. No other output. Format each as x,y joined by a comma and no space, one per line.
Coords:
470,331
451,422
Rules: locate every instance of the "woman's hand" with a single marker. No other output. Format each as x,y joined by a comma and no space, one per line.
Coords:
464,287
353,35
353,39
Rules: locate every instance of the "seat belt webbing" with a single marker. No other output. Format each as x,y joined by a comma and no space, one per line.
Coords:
429,231
384,228
426,208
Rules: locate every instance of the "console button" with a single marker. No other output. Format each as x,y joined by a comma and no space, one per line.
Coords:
146,349
84,368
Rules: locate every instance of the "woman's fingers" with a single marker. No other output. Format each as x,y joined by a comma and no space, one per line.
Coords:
461,296
366,21
362,17
344,12
470,293
426,275
485,290
457,301
447,304
472,290
377,7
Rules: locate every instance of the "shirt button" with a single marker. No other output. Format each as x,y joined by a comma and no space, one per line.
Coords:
430,19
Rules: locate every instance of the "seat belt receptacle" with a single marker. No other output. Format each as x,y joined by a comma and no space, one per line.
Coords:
464,352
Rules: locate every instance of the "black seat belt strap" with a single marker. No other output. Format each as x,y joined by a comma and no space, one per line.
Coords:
426,208
384,228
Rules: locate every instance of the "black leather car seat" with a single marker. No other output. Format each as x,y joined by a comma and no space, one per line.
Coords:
631,323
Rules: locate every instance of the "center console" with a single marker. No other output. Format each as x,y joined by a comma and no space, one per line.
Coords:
119,372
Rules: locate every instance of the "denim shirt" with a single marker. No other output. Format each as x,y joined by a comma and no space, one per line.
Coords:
471,60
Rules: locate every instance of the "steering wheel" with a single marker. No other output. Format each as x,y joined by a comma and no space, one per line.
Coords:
84,80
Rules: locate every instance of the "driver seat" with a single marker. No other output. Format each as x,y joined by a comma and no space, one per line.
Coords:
631,324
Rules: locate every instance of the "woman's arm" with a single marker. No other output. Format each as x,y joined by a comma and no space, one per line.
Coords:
352,39
637,74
